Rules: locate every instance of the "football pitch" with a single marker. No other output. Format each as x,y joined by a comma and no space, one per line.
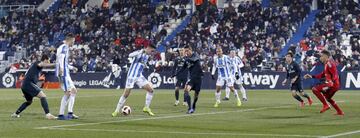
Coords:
268,113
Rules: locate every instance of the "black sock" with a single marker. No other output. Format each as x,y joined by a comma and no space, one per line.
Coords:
177,95
44,105
196,96
306,95
297,97
23,107
187,99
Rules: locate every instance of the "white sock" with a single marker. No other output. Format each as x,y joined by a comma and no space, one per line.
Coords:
243,91
149,96
227,92
71,102
217,96
120,104
63,104
236,94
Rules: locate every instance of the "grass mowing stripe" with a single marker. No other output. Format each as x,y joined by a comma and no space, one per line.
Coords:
190,133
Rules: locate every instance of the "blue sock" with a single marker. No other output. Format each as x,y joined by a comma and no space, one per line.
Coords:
187,99
297,97
44,105
23,107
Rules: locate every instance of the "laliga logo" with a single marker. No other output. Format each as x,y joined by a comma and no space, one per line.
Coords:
8,80
154,79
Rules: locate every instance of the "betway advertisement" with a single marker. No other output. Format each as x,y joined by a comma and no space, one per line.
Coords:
163,80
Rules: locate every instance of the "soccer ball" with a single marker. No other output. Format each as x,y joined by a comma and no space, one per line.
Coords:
126,110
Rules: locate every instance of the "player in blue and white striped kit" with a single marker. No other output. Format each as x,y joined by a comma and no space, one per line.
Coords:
235,68
140,58
63,73
222,63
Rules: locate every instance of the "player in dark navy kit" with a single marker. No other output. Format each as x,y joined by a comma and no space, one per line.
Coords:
192,63
31,90
181,77
294,74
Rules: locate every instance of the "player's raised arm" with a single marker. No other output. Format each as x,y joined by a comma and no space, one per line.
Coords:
47,65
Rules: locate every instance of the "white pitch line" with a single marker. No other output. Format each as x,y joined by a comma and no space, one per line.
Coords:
190,133
170,116
343,134
165,117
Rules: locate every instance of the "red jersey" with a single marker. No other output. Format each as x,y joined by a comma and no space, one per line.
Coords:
330,74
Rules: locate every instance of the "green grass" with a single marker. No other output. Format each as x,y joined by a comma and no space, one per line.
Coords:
268,113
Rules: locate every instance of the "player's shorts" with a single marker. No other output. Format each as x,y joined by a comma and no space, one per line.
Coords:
221,81
66,83
238,81
328,92
195,84
140,82
30,90
180,82
297,86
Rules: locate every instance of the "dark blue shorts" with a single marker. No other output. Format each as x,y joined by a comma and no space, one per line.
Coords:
297,86
195,84
30,90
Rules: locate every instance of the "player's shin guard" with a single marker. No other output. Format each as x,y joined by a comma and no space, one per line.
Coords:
217,96
63,104
71,103
320,96
23,107
227,92
177,94
196,96
236,94
44,105
243,92
187,99
297,97
149,96
306,95
120,104
337,108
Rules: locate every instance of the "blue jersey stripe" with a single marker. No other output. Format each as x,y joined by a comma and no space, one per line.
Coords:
140,70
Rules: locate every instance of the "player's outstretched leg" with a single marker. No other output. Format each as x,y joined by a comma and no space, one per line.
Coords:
329,96
298,98
45,106
317,92
176,96
71,114
121,102
148,99
227,94
304,94
22,107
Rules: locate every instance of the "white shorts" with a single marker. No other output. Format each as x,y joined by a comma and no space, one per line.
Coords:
66,83
140,82
221,81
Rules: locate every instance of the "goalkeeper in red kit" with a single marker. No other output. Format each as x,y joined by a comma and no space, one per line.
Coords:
327,89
